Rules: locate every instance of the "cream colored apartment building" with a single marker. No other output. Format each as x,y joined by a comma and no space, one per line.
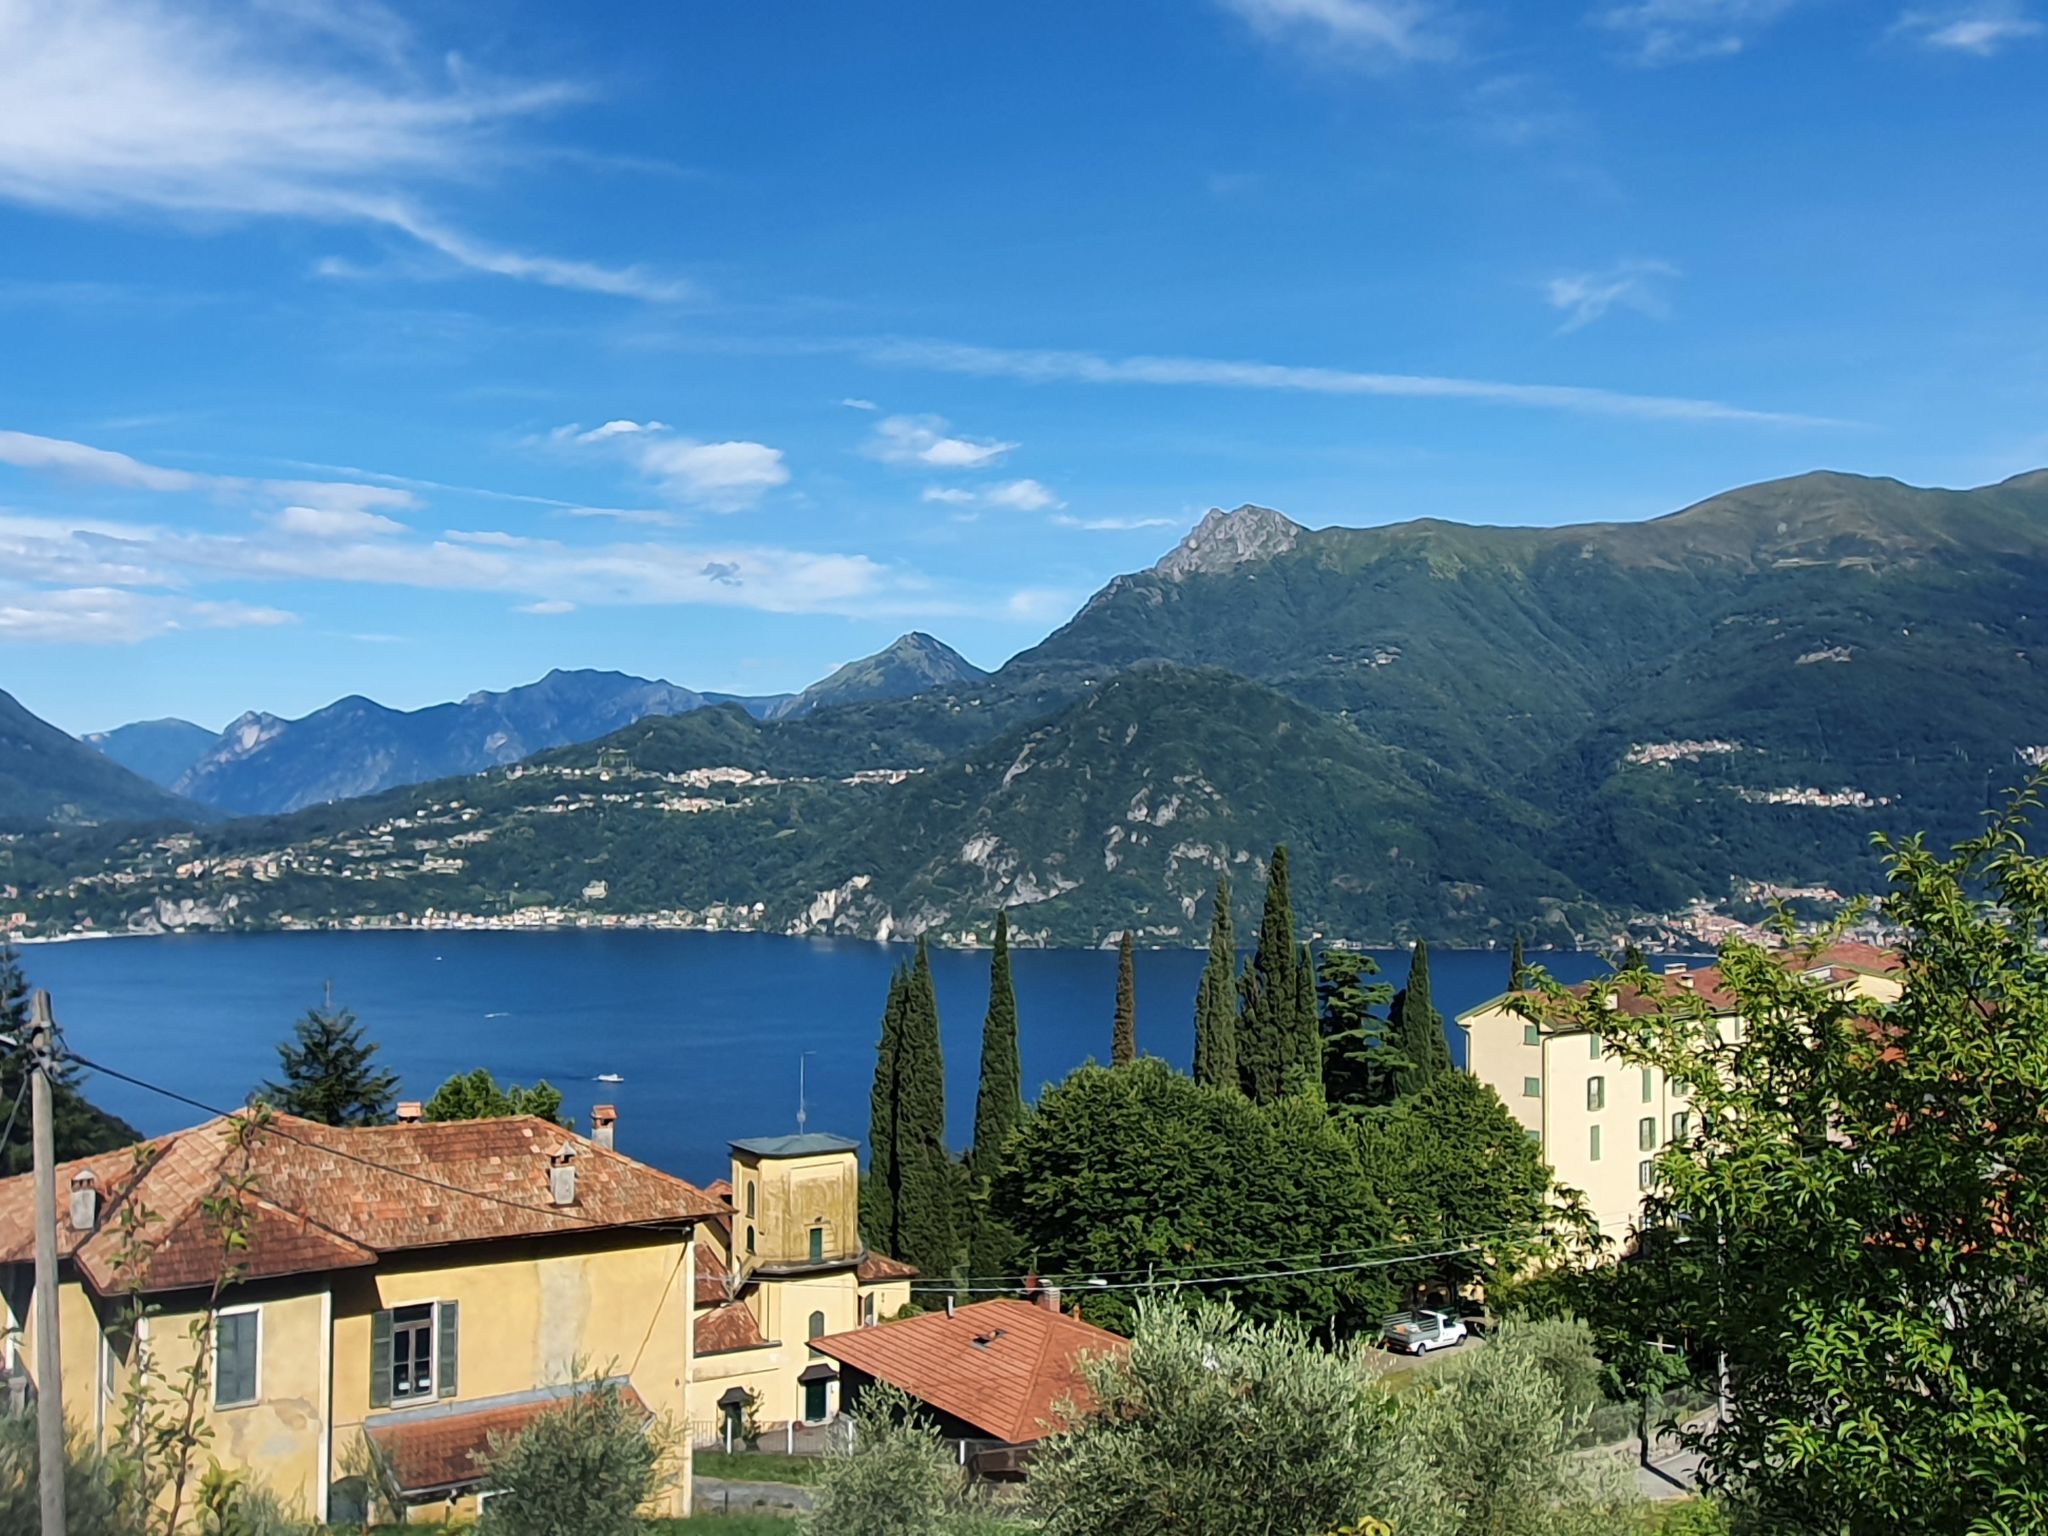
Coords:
1601,1121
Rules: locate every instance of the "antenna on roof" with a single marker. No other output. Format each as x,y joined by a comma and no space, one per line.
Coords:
803,1112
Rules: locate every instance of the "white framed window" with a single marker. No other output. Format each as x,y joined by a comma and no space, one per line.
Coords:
412,1352
237,1357
1596,1093
1646,1175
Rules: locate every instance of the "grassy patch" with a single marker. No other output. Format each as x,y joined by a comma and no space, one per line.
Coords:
725,1525
760,1467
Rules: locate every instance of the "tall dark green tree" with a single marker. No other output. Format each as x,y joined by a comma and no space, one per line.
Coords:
1123,1039
927,1188
79,1129
1305,1072
1356,1066
1269,1028
1416,1030
330,1072
1518,971
1216,1000
999,1104
878,1191
1631,957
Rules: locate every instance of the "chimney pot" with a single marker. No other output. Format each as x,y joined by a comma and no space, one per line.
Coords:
949,1306
1049,1297
562,1175
604,1121
1675,968
85,1201
409,1112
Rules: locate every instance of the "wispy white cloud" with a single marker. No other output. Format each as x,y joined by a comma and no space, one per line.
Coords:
1588,296
547,607
720,477
928,442
277,110
1678,31
1038,604
1983,29
333,522
859,405
948,495
113,616
1368,31
1114,524
1033,366
1021,496
106,466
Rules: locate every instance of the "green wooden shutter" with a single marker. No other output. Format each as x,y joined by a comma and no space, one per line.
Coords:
380,1360
446,1328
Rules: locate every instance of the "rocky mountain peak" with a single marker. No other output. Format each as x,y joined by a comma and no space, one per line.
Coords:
1225,539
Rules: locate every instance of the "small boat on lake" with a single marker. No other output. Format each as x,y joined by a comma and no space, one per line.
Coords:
610,1077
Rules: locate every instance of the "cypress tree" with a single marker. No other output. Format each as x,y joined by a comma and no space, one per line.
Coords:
1416,1030
1518,973
1216,1000
1268,1036
1631,957
999,1104
880,1189
1123,1041
1306,1070
926,1186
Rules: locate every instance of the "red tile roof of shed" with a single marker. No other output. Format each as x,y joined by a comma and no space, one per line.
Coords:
447,1450
1004,1366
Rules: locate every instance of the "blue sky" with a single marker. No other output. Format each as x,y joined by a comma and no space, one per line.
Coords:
412,351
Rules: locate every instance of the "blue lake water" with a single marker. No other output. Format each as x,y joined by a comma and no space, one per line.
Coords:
707,1029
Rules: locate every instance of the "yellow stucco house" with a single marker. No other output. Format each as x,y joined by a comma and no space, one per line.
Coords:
1601,1122
421,1285
787,1266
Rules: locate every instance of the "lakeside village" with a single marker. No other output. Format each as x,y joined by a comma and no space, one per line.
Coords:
371,1307
349,1309
431,841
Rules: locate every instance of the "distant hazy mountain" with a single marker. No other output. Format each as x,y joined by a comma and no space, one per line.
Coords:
262,764
48,776
159,750
914,664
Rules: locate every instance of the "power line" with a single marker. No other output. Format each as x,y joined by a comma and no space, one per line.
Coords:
19,1094
1268,1274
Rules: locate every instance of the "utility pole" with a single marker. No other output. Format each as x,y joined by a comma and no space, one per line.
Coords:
42,1045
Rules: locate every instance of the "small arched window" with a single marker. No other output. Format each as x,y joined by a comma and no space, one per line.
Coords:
750,1239
750,1199
817,1325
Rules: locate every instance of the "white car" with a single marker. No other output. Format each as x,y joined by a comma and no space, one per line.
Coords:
1418,1333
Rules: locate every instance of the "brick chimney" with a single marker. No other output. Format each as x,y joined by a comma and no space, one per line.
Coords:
85,1201
1048,1297
409,1112
604,1120
562,1175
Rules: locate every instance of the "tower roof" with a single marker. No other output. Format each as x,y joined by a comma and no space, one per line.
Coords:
810,1144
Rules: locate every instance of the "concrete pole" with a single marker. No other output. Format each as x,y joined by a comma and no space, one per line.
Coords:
49,1366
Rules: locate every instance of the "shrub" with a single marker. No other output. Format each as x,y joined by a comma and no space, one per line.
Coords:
891,1476
93,1501
584,1468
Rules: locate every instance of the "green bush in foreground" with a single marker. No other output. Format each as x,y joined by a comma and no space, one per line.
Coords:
584,1468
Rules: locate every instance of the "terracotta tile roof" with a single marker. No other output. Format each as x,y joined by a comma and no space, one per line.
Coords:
434,1449
714,1280
877,1267
1838,963
728,1328
327,1198
720,1189
1007,1385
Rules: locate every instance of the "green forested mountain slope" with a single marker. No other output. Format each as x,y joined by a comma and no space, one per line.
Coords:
1461,731
47,776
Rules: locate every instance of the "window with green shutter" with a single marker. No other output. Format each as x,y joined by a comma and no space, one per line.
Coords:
1532,1087
1596,1093
413,1353
236,1339
1594,1042
1646,1134
380,1360
448,1324
1646,1085
1593,1144
1531,1035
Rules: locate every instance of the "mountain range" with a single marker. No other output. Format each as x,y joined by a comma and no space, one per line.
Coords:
1460,729
262,764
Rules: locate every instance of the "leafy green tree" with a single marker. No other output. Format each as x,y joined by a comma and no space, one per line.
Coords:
78,1128
1416,1030
1857,1227
1123,1042
330,1072
1356,1063
1269,1026
1122,1169
1631,957
927,1188
1456,1171
1216,1000
998,1106
477,1096
587,1465
892,1476
1518,970
882,1184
